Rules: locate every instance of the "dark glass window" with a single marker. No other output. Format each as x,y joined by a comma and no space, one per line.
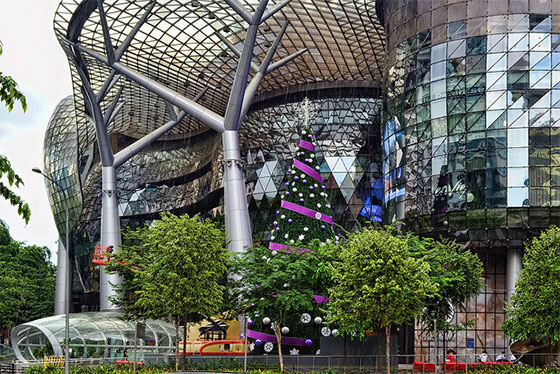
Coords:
476,45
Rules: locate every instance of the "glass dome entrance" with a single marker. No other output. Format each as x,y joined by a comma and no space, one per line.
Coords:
93,334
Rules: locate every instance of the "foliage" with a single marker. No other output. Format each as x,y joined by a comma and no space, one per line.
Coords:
458,275
219,365
27,282
512,369
9,94
303,190
377,283
171,268
276,285
12,180
533,309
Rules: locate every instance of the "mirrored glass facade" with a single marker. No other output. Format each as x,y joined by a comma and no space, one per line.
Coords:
471,136
347,130
185,175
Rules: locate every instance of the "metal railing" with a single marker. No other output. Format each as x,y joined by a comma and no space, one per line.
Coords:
307,363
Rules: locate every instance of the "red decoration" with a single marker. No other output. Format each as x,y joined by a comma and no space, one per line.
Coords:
100,254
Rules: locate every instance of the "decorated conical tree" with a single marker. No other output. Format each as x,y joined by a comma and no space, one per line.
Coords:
304,214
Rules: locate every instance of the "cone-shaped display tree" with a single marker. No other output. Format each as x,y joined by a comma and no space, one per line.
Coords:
304,214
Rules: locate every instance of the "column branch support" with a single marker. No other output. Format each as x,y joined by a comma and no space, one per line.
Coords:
274,10
240,9
106,34
231,47
122,48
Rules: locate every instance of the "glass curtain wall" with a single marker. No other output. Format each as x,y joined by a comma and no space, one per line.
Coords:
471,136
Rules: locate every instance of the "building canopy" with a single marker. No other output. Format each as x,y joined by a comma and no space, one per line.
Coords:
92,334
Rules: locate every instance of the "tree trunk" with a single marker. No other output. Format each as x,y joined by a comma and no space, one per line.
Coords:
184,343
278,333
388,348
176,321
444,351
345,351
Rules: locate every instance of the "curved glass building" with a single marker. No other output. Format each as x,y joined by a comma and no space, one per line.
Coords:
442,114
471,137
92,335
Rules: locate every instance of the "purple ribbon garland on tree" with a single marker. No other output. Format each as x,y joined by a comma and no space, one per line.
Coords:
306,211
306,145
271,338
308,170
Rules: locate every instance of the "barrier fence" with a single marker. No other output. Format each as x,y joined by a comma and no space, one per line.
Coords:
306,363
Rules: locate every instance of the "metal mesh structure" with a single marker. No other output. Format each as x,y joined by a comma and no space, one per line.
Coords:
183,45
189,46
92,335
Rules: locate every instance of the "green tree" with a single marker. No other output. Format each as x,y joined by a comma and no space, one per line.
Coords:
276,284
377,283
533,308
171,268
9,94
458,275
27,282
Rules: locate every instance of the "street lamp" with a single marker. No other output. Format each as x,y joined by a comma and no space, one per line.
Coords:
67,290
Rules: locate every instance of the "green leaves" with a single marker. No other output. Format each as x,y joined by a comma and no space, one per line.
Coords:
14,180
376,282
9,94
458,274
27,282
171,267
533,309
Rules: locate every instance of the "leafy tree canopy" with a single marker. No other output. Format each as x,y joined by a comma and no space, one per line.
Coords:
458,275
533,309
277,284
171,268
27,282
377,282
7,173
9,94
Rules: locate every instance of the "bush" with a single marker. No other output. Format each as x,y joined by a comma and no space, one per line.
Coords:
225,364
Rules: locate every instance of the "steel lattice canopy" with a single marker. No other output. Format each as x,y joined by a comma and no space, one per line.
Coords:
182,46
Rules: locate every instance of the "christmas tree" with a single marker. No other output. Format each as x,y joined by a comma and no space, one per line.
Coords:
304,214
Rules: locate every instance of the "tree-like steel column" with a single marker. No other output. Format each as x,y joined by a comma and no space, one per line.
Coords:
110,218
238,225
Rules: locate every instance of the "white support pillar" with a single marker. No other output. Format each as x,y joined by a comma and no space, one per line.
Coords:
110,233
238,224
514,266
60,288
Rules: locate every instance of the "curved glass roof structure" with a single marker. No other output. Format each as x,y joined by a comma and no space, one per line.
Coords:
98,335
189,45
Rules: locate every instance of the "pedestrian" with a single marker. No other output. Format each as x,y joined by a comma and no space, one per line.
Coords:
450,354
